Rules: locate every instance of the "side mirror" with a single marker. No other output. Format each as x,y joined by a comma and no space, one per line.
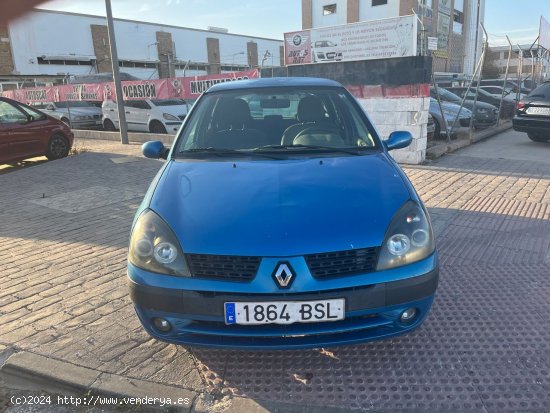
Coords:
154,150
398,140
30,118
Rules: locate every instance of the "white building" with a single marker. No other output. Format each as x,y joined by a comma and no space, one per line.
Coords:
46,45
534,64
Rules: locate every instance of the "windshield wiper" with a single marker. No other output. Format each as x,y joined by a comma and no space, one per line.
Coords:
221,152
300,146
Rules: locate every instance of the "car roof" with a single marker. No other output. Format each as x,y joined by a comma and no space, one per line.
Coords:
274,82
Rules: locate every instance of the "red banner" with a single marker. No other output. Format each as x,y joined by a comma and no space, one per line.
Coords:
178,87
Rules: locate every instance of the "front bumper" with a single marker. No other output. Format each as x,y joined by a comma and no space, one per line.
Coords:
197,317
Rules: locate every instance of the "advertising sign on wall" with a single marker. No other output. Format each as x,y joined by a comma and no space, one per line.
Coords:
443,27
378,39
544,32
177,87
444,6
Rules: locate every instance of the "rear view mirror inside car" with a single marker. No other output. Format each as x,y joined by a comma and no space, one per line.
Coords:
275,103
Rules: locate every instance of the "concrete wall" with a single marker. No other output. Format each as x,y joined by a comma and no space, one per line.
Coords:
368,12
6,57
320,20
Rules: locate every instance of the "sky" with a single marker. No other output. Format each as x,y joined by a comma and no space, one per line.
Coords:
271,18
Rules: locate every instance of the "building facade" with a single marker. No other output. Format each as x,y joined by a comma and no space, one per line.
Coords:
47,46
534,63
454,23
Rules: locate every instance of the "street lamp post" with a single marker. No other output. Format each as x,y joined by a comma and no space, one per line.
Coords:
116,76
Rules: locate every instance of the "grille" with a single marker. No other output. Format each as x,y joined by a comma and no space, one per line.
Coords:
223,267
97,116
342,263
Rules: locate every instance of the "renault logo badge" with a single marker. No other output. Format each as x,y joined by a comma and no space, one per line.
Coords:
283,274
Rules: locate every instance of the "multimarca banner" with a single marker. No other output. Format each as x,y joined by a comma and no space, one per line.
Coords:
178,87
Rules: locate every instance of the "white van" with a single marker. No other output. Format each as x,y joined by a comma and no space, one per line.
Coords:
149,115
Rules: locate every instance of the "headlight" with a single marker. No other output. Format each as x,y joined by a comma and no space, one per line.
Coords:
167,116
482,110
409,238
154,247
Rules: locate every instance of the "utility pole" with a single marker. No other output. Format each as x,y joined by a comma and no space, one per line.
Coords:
116,76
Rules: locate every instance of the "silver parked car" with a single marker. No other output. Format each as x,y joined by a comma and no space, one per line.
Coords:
450,112
78,114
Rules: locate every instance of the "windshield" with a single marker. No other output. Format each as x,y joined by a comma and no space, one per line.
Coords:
276,119
75,104
446,95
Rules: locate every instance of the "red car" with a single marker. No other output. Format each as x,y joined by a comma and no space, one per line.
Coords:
26,132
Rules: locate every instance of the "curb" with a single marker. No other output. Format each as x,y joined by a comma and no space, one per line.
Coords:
23,370
441,149
115,136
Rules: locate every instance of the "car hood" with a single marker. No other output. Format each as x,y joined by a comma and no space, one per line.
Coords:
81,111
280,207
175,110
449,107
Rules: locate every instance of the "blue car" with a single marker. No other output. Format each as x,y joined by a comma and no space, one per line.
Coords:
280,221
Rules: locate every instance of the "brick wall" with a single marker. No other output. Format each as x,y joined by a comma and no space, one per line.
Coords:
102,47
6,57
165,49
213,50
252,53
307,16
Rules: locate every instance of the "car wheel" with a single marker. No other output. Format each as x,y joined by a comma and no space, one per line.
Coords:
157,127
66,122
108,125
58,147
538,138
437,132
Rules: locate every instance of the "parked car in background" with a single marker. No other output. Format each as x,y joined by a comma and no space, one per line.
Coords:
509,84
293,229
508,105
76,114
26,133
149,115
450,113
431,127
485,114
533,114
497,91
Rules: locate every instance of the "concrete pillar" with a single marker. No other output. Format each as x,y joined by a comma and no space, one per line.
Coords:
252,53
213,50
166,55
100,39
6,57
353,11
281,56
307,14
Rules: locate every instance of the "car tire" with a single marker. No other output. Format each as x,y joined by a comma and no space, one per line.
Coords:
66,122
437,132
108,125
537,138
58,147
157,127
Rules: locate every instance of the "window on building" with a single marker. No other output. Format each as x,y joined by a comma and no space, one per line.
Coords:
329,9
45,61
458,21
379,2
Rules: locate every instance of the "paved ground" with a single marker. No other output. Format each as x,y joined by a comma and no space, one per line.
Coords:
485,347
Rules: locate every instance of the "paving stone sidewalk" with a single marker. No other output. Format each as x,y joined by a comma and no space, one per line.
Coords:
64,228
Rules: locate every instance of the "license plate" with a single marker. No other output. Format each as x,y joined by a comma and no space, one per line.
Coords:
284,312
538,111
